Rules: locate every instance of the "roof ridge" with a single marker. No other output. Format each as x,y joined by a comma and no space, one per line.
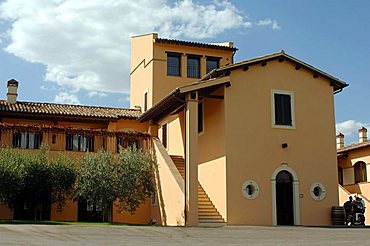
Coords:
73,105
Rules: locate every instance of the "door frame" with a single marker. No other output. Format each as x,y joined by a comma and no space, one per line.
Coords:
296,210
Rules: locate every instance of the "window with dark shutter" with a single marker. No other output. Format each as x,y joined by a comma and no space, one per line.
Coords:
27,140
193,67
145,101
164,135
76,142
200,117
283,109
173,64
360,172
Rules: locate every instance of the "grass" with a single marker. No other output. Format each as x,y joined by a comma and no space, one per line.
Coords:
45,222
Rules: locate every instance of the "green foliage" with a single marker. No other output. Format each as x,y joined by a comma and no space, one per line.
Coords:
34,179
136,178
97,179
126,178
11,175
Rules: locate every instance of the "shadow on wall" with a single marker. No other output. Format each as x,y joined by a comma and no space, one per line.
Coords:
162,211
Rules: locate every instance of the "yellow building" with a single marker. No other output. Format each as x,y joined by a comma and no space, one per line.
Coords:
74,130
354,169
247,143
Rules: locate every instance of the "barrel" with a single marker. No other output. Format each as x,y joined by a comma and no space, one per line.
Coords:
338,215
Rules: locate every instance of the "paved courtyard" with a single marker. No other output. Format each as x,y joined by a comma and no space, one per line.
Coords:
145,235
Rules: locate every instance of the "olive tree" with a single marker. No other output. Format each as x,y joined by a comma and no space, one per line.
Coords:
32,178
124,180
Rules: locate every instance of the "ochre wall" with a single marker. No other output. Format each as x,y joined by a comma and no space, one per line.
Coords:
141,216
141,70
212,160
165,84
175,133
169,209
69,212
254,149
347,163
5,212
149,68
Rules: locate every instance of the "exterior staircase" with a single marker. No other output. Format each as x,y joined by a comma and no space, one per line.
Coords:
207,212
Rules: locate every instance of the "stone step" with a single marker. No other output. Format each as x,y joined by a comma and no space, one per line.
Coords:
207,212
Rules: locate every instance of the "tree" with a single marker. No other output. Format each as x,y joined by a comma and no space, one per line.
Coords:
97,179
125,180
136,175
35,180
11,175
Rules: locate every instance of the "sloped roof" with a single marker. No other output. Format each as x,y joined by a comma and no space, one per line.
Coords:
194,44
281,56
353,147
53,109
176,99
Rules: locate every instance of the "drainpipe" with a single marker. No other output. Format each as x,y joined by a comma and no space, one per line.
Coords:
185,189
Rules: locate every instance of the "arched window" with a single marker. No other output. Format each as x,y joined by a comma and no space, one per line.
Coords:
360,172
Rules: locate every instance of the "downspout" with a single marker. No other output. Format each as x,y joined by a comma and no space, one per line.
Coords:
232,57
185,189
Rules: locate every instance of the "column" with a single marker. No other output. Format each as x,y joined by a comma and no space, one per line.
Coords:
191,157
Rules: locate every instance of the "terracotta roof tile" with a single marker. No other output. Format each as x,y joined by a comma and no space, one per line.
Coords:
353,147
194,44
68,110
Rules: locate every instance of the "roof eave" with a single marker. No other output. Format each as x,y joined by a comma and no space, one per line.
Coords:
337,84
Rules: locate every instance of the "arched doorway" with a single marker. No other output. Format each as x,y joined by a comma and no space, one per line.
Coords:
295,193
284,198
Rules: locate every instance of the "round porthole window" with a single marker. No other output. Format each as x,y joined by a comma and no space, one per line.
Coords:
317,191
250,189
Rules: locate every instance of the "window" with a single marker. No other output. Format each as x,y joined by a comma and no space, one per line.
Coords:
145,101
174,64
27,140
212,63
164,135
200,117
193,66
125,143
340,175
250,189
360,172
283,109
79,142
317,191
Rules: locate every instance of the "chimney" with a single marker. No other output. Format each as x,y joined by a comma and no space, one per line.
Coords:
362,135
340,141
12,91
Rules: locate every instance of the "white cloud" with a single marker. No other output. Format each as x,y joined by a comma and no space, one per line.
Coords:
66,98
350,129
84,44
268,22
98,94
124,99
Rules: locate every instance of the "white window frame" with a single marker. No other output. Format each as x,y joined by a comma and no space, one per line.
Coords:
283,92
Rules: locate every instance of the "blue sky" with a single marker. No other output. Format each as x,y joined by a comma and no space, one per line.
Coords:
78,51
